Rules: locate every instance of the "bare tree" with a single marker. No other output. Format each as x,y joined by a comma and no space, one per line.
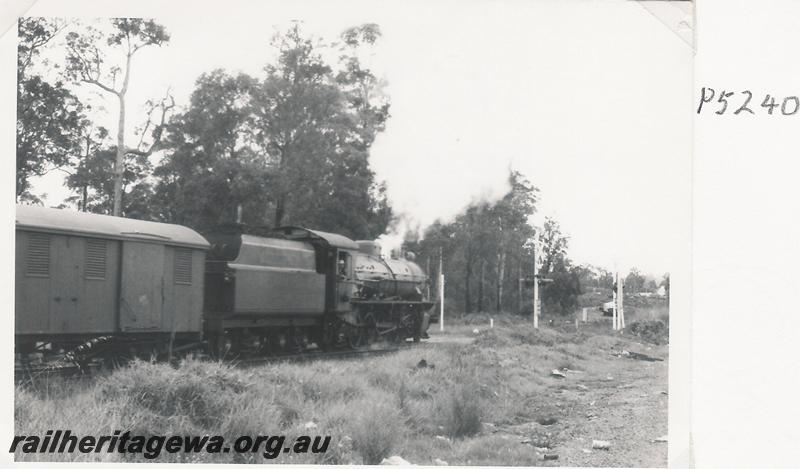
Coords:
86,63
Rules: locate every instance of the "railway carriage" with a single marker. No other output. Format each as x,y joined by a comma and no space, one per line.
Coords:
81,276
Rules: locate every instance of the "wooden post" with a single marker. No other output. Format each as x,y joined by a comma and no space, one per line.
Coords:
585,315
615,309
441,292
536,307
441,302
620,303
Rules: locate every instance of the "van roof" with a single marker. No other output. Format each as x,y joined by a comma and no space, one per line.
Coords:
34,218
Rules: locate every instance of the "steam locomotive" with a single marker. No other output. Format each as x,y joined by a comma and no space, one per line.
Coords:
96,283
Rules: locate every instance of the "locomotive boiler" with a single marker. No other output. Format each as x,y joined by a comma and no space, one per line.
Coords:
393,277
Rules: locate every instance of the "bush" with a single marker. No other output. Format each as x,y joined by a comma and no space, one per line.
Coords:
561,296
202,392
656,332
376,431
463,410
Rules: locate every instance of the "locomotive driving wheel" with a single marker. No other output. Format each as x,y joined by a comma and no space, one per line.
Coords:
370,329
356,336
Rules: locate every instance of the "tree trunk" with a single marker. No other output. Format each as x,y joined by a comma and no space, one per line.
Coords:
85,191
280,209
480,285
519,285
119,164
467,280
282,188
501,270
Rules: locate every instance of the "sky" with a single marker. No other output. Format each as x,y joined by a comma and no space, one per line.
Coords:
590,100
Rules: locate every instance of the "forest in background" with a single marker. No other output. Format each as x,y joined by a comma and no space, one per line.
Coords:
290,146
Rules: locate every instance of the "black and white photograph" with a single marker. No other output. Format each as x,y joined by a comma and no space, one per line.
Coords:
351,233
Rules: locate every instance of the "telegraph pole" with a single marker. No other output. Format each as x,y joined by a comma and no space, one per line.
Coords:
615,309
618,316
620,301
441,292
536,307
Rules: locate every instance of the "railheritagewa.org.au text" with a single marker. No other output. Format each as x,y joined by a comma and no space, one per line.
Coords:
151,447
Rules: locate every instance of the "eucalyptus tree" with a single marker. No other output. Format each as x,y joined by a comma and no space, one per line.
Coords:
50,118
87,63
315,122
486,248
210,168
289,146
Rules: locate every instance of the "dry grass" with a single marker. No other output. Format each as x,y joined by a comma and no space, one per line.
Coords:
373,408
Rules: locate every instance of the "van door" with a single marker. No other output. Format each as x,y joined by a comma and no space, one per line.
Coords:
65,313
142,286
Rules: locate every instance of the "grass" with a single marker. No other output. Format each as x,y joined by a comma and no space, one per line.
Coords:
376,431
462,410
373,408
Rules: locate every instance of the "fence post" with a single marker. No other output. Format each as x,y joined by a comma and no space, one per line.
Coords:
441,302
536,307
441,292
621,306
615,308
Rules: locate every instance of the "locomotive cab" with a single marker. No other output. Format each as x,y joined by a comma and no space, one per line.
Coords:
345,280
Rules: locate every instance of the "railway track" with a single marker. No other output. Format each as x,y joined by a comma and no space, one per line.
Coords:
64,369
320,355
38,372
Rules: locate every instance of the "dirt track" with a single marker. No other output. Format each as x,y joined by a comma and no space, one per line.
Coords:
609,396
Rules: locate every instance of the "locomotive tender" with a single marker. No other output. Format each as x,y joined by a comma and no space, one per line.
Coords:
143,286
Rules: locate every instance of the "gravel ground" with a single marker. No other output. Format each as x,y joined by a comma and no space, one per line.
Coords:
609,396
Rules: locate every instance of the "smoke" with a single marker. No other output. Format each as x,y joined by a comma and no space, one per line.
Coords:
393,240
403,227
454,127
411,224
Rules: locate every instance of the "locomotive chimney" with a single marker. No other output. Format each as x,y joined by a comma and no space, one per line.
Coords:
370,248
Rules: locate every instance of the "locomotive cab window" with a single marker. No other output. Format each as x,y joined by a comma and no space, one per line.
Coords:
343,264
37,259
183,266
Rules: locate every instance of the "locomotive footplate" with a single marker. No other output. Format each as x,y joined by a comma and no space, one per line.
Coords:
398,320
395,304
